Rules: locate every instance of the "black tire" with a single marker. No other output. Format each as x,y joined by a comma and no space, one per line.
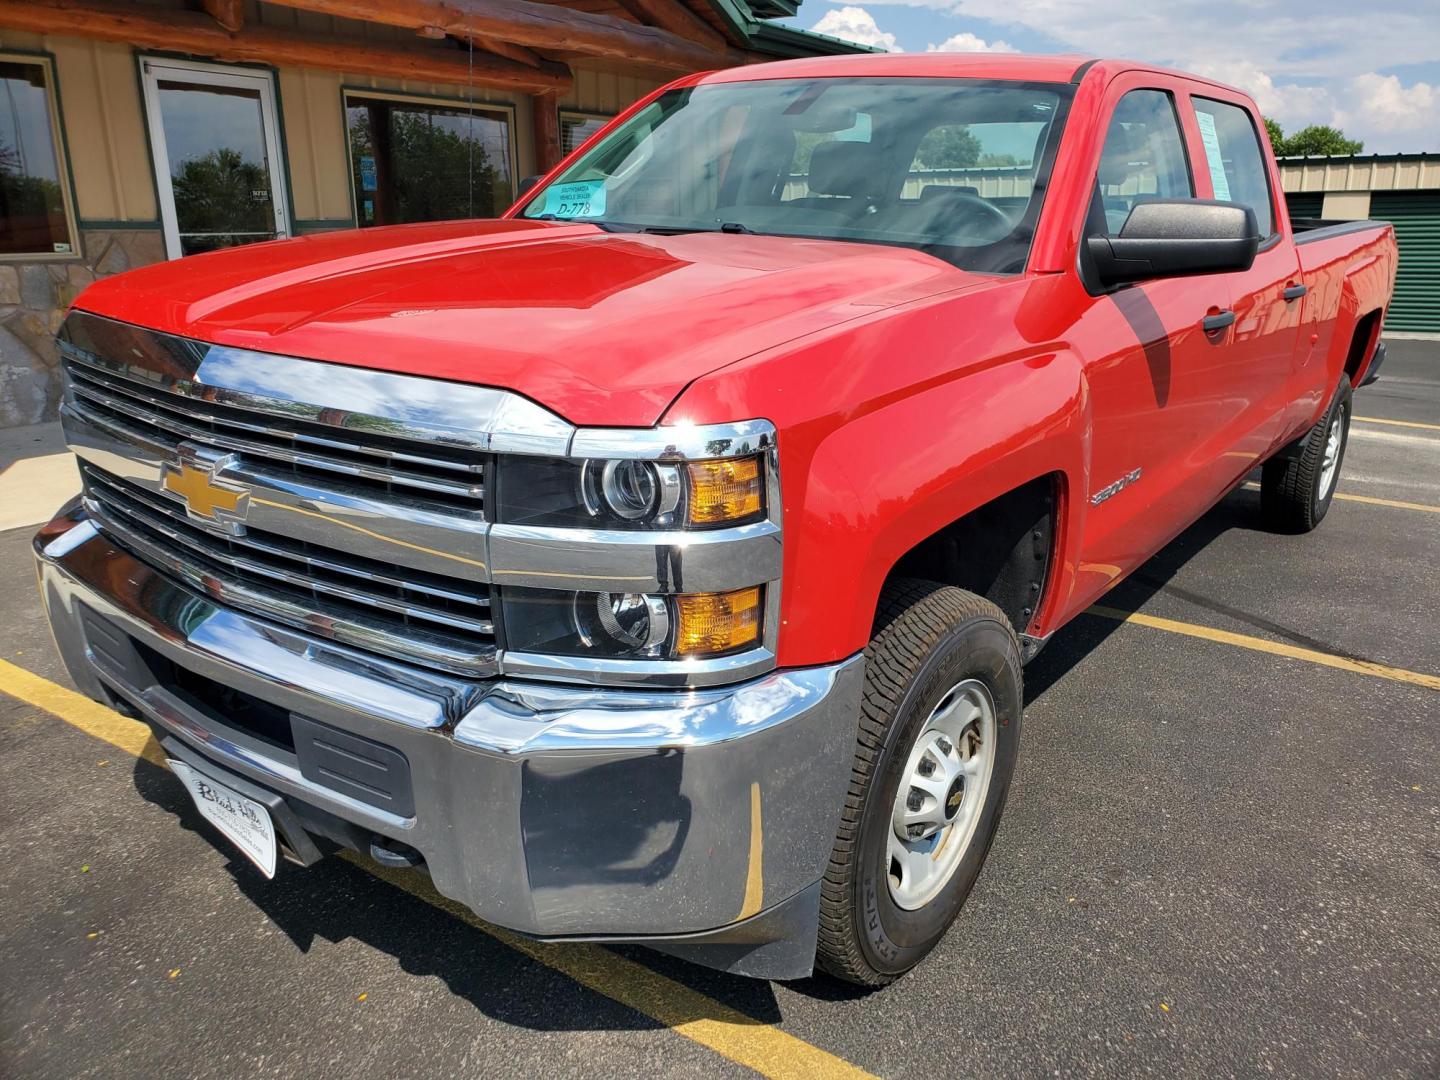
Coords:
1290,497
928,638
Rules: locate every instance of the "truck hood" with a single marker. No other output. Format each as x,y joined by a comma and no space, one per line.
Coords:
602,328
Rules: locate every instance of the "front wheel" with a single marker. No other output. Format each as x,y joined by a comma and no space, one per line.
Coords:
1296,491
936,746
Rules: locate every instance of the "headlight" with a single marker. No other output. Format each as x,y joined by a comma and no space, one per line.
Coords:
630,490
632,625
632,622
629,493
638,555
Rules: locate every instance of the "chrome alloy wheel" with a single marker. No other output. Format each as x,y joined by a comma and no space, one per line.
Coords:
942,792
1333,438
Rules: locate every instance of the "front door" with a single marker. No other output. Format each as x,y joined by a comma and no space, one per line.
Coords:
1158,379
217,159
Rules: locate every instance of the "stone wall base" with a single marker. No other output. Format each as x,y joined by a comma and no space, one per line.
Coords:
33,300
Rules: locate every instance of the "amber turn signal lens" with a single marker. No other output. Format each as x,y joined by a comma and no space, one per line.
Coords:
722,491
717,622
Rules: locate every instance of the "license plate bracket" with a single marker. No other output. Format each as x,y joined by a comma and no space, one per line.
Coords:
243,821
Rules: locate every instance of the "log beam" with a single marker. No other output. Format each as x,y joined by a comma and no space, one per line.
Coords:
539,26
181,31
228,13
519,53
547,131
674,16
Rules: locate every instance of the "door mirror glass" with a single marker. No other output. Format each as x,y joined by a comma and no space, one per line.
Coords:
1165,238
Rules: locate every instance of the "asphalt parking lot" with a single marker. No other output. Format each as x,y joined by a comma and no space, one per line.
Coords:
1221,856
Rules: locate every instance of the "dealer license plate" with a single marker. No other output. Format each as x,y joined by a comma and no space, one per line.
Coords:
244,821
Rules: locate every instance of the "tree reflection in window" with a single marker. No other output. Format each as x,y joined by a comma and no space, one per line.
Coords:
418,162
224,198
32,203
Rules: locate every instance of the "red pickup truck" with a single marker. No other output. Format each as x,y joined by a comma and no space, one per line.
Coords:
659,563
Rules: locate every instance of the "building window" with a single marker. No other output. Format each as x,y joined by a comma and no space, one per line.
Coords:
418,160
36,217
215,137
576,127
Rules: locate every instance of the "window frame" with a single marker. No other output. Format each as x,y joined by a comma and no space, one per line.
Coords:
272,121
582,115
360,91
1181,130
46,62
1198,95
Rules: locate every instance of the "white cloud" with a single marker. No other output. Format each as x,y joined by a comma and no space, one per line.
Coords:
1384,103
1289,40
1379,109
1290,104
1316,62
968,42
857,25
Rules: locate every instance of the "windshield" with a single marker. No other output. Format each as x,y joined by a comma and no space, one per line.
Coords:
954,167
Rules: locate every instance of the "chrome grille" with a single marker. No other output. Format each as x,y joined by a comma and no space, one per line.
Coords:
438,621
371,461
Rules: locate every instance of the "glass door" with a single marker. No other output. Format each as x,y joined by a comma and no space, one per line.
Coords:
217,159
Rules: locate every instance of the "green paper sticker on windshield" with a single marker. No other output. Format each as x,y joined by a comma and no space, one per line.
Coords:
581,199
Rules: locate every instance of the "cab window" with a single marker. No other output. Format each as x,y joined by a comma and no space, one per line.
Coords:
1143,159
1234,158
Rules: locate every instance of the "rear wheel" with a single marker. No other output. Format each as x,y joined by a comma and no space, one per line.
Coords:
1296,491
938,736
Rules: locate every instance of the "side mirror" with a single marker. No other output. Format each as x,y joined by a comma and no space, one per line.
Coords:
1174,238
526,184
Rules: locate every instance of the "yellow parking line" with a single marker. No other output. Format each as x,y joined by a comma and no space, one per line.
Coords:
1274,648
79,711
729,1032
1399,423
732,1034
1397,504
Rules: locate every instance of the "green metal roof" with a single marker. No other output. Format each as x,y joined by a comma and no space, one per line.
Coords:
791,41
748,20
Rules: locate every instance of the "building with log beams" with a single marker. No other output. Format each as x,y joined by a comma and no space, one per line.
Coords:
132,132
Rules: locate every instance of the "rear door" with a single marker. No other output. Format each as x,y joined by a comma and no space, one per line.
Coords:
1267,300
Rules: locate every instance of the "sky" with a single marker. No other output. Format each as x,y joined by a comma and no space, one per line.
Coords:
1369,68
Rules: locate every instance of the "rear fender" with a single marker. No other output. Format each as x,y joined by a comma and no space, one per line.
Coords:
1363,290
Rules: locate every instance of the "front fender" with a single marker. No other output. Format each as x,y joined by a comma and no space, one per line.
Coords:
891,429
935,457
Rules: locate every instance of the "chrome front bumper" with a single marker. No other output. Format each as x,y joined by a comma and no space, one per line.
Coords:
556,811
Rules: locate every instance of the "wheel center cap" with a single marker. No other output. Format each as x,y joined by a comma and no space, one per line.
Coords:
954,797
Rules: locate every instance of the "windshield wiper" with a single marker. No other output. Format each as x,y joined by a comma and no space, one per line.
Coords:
605,226
679,230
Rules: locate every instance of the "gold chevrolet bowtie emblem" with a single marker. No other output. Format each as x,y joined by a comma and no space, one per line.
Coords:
206,498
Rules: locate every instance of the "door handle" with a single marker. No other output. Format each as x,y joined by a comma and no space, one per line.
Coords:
1213,324
1294,292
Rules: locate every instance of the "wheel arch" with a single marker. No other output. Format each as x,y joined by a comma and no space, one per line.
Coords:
1003,550
1022,461
1362,345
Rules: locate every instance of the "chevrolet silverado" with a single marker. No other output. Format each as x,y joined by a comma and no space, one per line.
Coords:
659,562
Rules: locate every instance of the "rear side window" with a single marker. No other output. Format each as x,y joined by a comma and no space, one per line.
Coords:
1143,159
1234,158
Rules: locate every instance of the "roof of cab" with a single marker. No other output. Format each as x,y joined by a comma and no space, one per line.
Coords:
911,65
